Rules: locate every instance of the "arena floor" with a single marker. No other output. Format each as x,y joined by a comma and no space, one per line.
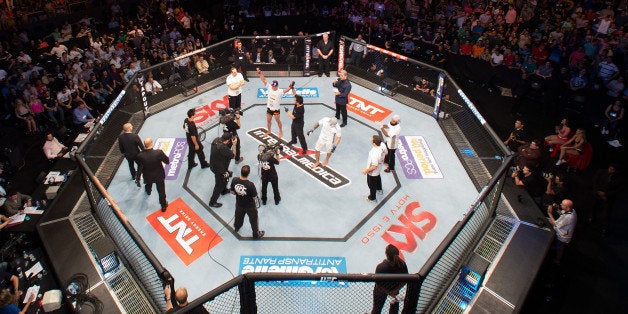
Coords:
323,223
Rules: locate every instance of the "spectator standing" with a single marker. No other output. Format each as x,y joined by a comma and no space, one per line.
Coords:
357,51
234,82
564,226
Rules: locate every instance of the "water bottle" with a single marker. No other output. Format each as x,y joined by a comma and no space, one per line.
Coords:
37,204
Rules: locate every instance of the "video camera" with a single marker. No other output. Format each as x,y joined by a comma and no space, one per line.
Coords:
228,114
269,150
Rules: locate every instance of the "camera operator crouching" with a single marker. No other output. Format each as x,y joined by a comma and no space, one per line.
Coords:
268,158
230,119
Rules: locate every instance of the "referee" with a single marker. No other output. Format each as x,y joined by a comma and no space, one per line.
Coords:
297,122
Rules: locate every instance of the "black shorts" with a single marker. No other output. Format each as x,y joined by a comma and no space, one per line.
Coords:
272,112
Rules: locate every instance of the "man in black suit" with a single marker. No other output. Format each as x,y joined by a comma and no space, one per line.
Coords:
130,145
219,159
150,165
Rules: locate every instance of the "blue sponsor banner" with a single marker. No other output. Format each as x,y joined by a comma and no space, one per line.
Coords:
296,264
305,92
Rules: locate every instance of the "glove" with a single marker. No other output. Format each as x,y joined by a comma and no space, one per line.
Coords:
285,108
333,149
309,132
292,85
226,175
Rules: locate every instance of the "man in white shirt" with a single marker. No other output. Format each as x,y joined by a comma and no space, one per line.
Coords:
52,148
152,87
274,101
373,168
564,226
234,82
58,50
328,140
391,132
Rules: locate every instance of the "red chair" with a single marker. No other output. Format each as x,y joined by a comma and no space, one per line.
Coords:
581,161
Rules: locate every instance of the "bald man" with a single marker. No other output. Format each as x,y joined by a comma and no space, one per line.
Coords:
181,296
150,163
564,226
130,145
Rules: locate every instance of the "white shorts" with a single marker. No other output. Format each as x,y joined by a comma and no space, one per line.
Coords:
323,144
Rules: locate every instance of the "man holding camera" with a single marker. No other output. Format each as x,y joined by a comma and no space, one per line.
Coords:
267,161
219,160
330,131
231,126
195,147
274,101
298,121
564,226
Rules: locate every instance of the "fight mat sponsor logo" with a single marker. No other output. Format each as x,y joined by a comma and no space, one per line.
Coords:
175,149
404,225
299,265
325,175
367,109
184,231
416,159
305,92
208,113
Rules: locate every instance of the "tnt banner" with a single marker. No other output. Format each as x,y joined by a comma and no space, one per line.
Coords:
295,264
184,231
416,160
175,149
366,108
305,92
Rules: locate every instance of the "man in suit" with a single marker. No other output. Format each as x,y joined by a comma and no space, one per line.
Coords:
150,163
130,145
219,160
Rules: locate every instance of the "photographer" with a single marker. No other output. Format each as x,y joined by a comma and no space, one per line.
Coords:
564,226
532,182
219,160
267,160
298,122
231,124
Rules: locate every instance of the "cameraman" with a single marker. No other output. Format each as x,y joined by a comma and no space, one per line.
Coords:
564,226
231,126
219,160
298,122
267,160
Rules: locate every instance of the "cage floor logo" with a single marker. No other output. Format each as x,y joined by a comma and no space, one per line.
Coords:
184,231
327,176
175,149
367,109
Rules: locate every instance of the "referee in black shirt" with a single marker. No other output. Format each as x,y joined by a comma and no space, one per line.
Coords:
297,122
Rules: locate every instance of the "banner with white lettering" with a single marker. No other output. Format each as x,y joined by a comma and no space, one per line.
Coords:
296,264
176,150
184,231
416,160
305,92
367,109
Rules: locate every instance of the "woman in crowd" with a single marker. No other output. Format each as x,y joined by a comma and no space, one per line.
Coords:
24,113
574,146
563,132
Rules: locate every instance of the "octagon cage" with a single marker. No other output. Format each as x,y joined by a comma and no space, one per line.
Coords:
384,71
